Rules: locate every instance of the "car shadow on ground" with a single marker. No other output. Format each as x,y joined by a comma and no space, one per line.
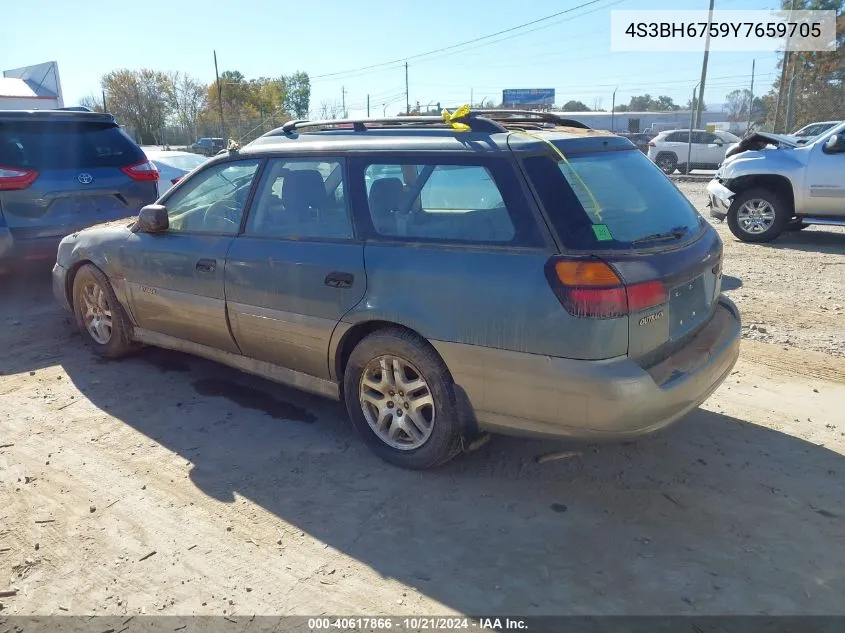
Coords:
715,515
812,240
729,282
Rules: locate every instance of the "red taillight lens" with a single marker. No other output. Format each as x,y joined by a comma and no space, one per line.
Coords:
173,181
591,288
12,178
145,171
647,295
597,303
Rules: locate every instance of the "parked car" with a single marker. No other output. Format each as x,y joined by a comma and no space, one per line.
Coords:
669,150
441,283
208,146
172,166
640,139
61,171
770,183
811,131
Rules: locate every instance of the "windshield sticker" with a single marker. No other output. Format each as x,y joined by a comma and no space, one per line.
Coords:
602,232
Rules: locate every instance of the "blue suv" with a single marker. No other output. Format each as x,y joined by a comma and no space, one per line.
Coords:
63,170
509,276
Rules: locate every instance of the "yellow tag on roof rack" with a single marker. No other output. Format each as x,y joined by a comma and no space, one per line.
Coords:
452,118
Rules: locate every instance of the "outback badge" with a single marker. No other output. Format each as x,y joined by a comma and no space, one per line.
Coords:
651,318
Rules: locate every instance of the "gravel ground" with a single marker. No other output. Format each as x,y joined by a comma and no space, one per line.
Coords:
791,291
165,484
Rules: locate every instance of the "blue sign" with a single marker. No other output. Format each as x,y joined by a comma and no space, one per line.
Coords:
528,96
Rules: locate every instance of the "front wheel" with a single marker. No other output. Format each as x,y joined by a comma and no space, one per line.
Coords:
99,315
401,399
758,215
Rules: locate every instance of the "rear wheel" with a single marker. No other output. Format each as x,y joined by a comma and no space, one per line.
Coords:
401,399
668,162
99,315
758,215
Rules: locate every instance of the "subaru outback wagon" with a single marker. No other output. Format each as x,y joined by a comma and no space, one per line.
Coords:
61,171
442,283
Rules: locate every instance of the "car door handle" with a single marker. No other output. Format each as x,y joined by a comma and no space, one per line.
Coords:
338,279
206,265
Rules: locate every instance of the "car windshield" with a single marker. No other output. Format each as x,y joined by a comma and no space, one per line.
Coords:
612,200
814,129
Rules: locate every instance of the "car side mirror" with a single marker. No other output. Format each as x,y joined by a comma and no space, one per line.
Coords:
719,143
152,219
835,144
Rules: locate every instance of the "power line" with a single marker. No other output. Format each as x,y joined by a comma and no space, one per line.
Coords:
460,44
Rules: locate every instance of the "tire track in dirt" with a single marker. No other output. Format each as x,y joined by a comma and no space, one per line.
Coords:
802,363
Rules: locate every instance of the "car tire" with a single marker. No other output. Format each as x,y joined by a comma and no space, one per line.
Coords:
773,212
99,315
424,435
667,162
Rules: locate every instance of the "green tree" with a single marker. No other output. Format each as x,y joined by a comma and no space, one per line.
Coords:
298,96
138,99
817,77
575,106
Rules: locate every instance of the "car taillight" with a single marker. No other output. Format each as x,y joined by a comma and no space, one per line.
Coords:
591,288
652,144
173,181
12,178
145,170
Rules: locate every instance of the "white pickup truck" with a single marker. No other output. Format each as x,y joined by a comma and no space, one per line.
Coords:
769,183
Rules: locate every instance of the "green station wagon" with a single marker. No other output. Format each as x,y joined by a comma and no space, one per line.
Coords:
515,276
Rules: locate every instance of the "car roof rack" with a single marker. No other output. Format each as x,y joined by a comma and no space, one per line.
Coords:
531,117
475,123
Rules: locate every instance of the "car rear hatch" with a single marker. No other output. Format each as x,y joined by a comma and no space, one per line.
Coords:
58,175
632,245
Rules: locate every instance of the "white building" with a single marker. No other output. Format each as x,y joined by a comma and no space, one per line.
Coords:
642,121
31,88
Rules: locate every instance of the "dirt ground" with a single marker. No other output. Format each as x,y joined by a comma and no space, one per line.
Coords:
164,484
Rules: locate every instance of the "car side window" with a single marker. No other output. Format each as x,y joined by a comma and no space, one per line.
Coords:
301,198
440,202
680,137
709,138
213,200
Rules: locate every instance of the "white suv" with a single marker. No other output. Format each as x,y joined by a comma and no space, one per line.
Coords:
669,150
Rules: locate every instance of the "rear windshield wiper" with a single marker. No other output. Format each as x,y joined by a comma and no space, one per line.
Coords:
672,234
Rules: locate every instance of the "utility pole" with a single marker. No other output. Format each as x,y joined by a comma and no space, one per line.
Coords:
407,94
784,64
343,101
219,99
751,98
700,105
613,109
368,105
789,101
105,109
689,140
471,96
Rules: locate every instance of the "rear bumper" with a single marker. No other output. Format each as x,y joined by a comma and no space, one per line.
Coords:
529,394
720,199
12,250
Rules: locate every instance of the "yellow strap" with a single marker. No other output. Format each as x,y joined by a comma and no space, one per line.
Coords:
596,210
460,113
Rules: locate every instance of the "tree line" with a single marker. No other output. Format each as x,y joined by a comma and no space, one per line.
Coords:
158,107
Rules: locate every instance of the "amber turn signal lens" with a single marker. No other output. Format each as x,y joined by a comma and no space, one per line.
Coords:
586,273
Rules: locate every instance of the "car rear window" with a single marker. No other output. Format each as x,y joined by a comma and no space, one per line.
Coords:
611,200
66,145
